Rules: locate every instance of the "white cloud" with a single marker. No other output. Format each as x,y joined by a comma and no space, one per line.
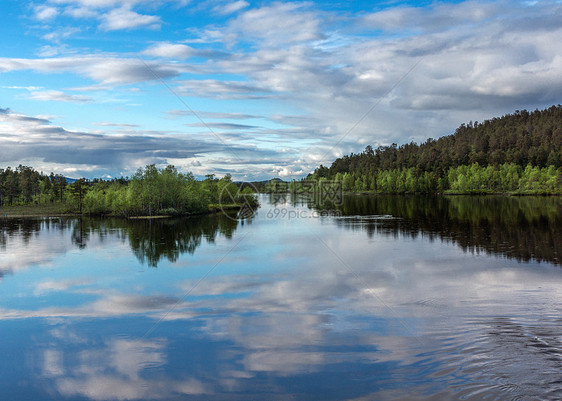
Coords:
95,4
45,13
231,8
44,146
60,34
106,70
81,12
278,25
48,51
125,18
58,96
170,50
29,88
425,70
437,17
441,66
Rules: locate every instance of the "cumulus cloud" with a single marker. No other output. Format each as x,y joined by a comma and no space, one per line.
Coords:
96,3
44,146
105,70
441,66
23,137
340,82
231,8
81,12
170,50
45,13
438,16
276,25
125,18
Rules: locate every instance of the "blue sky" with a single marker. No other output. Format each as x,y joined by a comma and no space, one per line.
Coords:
99,88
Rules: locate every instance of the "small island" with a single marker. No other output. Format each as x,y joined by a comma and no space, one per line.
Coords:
150,193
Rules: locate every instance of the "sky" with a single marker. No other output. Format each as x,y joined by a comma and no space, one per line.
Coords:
99,88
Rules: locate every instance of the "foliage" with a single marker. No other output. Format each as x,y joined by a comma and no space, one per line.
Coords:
149,192
26,186
520,153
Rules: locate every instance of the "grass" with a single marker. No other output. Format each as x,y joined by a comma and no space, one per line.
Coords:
60,209
45,210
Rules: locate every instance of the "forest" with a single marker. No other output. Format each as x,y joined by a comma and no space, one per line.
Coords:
149,192
517,153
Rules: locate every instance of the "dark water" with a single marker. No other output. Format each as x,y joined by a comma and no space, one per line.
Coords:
383,298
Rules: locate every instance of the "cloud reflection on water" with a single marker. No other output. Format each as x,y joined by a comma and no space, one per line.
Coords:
405,315
121,369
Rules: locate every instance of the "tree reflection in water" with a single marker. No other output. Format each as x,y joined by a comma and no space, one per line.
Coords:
151,240
524,228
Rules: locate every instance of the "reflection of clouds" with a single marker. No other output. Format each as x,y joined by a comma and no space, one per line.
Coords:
106,387
402,302
283,362
19,254
107,305
117,371
275,319
62,285
128,357
52,363
33,242
271,330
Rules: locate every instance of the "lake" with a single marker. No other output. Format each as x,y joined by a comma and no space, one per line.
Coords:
381,298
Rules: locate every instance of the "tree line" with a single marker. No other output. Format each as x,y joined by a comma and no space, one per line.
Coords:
519,152
150,191
24,185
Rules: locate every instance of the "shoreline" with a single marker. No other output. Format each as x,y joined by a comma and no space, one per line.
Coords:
451,193
50,211
35,211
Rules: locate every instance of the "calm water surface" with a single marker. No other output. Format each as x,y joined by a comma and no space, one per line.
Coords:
383,298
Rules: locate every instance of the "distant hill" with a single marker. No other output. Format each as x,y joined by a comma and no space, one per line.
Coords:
262,186
522,138
519,139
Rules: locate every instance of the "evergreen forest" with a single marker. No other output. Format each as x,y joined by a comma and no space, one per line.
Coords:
518,153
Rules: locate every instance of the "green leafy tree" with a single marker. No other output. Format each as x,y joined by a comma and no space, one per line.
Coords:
78,191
